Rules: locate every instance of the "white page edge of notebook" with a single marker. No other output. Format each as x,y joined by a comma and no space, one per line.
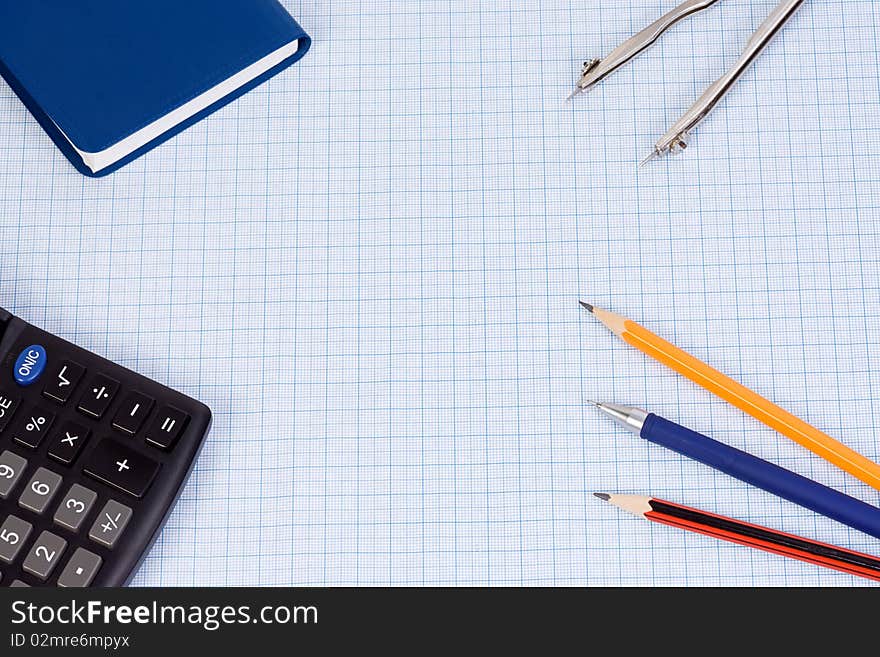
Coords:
103,159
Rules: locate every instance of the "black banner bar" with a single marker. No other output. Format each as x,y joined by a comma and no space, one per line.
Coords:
260,622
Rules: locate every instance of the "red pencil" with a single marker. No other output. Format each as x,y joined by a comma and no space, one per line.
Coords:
742,533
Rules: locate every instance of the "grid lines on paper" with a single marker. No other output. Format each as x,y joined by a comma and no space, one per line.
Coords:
369,269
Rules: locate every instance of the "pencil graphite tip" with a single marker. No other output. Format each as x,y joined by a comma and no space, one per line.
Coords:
587,306
605,497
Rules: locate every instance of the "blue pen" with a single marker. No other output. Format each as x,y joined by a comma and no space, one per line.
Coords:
750,469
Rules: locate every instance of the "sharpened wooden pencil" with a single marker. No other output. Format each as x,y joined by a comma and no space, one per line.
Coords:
738,395
742,533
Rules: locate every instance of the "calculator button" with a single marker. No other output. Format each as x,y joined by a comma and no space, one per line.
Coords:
131,415
18,584
40,490
30,428
80,570
68,442
110,524
62,382
8,404
11,468
13,533
121,467
29,365
75,507
98,396
167,427
44,555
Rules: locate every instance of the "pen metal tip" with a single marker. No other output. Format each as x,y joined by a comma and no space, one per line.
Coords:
577,91
588,306
653,156
603,496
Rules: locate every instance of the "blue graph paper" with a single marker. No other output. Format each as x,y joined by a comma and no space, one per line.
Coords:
369,268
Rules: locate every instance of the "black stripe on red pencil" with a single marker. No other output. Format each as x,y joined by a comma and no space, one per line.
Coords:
743,533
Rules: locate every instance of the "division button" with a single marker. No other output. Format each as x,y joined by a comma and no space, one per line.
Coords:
98,396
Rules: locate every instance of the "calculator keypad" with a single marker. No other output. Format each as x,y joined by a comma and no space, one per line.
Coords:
91,457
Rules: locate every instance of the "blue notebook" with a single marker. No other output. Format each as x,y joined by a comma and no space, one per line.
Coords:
111,79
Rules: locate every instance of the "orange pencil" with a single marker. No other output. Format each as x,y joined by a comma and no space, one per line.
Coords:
744,399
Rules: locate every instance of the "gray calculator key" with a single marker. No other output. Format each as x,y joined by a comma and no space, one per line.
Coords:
13,533
110,523
80,570
75,507
40,490
11,468
44,555
18,584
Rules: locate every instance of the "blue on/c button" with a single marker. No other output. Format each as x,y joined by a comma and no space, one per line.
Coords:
30,365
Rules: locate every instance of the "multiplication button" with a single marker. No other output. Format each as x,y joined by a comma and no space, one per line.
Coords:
68,442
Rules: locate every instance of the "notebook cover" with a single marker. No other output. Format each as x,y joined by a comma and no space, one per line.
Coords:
100,70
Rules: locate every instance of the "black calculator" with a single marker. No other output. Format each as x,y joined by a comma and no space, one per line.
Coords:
92,459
